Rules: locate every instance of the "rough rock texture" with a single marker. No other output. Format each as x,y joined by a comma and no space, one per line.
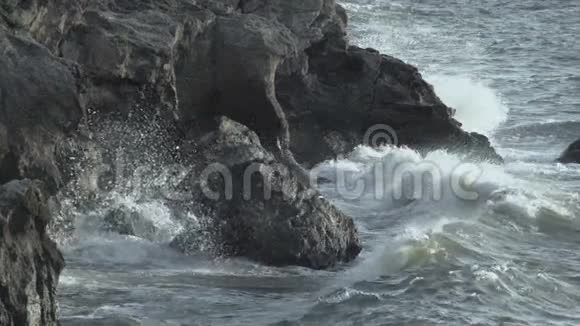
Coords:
263,211
571,154
31,263
182,63
39,105
348,91
282,70
39,102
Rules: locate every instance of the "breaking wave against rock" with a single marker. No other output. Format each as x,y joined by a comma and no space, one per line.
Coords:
478,106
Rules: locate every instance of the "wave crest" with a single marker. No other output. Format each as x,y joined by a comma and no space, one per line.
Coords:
477,105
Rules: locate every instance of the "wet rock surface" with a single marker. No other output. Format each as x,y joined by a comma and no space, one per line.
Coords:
571,154
263,211
31,262
271,87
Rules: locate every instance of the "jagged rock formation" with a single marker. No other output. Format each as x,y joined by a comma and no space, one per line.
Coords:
31,263
282,68
286,88
571,154
38,104
262,209
347,91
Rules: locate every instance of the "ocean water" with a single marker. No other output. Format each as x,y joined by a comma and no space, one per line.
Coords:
510,256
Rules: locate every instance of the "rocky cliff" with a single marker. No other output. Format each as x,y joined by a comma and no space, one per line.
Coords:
31,263
267,85
38,106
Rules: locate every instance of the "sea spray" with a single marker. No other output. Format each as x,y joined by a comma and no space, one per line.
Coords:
478,107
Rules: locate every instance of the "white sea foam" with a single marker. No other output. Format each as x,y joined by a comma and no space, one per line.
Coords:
155,211
477,105
390,178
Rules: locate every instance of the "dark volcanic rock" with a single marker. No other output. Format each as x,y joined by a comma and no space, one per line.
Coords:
281,69
347,92
571,154
263,211
39,106
39,103
31,263
189,62
279,78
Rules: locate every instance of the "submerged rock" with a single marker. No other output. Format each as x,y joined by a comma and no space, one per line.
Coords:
31,263
261,208
571,154
126,221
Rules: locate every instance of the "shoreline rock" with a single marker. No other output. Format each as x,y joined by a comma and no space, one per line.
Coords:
39,105
31,262
261,209
272,85
571,154
346,92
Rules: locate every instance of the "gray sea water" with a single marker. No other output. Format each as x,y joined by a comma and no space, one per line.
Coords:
512,257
